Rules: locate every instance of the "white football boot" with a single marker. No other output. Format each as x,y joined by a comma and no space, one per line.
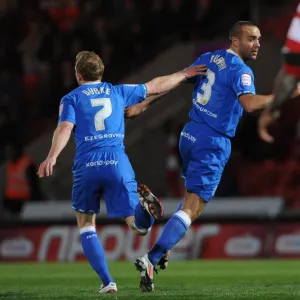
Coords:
146,269
108,289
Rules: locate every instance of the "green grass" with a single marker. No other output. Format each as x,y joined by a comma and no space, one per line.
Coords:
183,280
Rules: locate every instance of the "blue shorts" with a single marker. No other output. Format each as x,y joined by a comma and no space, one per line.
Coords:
105,173
204,154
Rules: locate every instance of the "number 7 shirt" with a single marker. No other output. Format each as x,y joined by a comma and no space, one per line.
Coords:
97,111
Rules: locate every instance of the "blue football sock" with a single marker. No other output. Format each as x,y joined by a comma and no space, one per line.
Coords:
172,233
94,252
142,219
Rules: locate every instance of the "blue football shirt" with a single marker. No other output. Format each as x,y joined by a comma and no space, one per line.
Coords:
215,96
97,111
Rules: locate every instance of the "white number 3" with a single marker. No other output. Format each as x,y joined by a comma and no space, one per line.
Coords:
103,113
206,88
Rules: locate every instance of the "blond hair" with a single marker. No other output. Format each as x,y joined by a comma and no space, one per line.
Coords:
89,65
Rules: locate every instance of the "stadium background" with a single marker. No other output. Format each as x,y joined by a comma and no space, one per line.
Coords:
256,210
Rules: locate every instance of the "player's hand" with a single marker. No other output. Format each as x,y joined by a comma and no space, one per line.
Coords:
133,111
265,120
193,71
46,167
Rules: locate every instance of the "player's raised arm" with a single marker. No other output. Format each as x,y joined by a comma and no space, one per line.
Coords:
165,84
160,86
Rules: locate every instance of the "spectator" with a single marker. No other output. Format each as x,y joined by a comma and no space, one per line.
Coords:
21,182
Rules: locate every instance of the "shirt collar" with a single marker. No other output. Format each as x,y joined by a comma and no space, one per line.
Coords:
232,52
92,82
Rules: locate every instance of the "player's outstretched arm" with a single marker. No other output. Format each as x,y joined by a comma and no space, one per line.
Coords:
160,86
60,139
165,84
252,102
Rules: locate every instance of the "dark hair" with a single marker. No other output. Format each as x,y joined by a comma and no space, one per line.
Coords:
236,29
89,65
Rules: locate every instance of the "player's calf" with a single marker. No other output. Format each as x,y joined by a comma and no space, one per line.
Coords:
92,247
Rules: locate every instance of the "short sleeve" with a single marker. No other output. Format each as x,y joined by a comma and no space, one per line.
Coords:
133,93
243,82
67,110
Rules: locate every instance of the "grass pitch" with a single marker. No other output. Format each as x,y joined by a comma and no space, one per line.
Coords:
264,280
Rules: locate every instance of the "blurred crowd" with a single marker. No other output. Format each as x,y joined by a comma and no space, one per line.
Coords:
39,40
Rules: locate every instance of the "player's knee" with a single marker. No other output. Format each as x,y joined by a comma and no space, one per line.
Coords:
85,224
82,224
84,220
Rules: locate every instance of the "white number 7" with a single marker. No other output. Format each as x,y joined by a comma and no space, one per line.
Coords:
103,113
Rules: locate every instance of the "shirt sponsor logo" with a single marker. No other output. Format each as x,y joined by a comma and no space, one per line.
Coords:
103,136
204,110
101,163
188,136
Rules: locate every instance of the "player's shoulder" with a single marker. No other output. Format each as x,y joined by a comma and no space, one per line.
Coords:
126,85
204,57
213,56
218,52
74,92
236,64
71,96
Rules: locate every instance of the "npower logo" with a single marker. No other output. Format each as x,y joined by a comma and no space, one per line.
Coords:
119,243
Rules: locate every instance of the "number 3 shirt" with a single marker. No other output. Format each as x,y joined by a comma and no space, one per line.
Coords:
215,96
